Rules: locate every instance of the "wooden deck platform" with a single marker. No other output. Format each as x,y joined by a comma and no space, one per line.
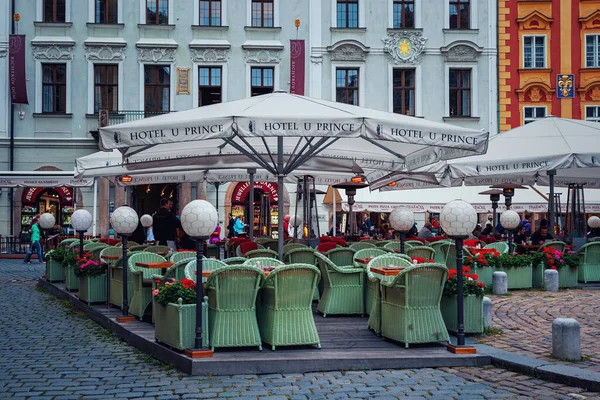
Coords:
346,344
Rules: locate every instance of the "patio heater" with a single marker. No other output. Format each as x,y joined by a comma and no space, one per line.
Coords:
458,219
576,204
508,190
494,198
147,222
306,211
124,221
46,223
199,219
81,220
510,220
402,220
357,182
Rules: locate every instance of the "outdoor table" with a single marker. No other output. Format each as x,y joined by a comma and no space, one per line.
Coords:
364,261
162,265
111,258
387,271
266,270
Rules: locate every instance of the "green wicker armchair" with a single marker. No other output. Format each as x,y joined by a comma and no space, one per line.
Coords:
381,243
142,278
425,252
362,245
449,251
413,243
182,255
343,288
301,255
368,253
264,262
141,247
271,245
95,252
67,242
115,278
439,256
393,245
291,246
589,262
373,291
235,260
176,271
210,264
410,305
89,246
238,250
341,256
262,253
501,247
158,249
232,292
558,245
212,251
285,316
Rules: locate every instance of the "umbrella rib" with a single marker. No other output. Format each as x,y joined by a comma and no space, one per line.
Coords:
140,150
297,155
373,142
257,158
268,150
313,150
251,156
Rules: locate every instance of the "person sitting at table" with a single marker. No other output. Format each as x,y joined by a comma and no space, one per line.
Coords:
542,234
487,231
520,235
425,232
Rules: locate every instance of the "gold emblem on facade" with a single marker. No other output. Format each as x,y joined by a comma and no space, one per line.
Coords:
404,47
565,83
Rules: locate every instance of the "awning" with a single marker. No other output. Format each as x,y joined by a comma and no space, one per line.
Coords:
48,179
437,208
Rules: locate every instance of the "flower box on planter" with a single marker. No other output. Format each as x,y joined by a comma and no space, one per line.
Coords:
518,277
54,271
71,280
175,324
92,289
567,276
473,313
485,274
537,277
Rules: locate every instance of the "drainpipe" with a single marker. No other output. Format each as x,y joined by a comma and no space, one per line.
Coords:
12,139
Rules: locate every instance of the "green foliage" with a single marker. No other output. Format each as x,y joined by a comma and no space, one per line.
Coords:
70,258
55,255
470,285
514,260
172,291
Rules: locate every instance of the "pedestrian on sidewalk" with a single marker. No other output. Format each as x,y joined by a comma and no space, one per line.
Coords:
36,245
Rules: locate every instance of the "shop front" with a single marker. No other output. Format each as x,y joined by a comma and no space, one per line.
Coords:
57,201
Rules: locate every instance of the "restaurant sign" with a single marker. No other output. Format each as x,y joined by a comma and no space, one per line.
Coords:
242,189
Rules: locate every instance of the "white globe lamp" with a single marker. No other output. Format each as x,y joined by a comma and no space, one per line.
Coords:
81,220
510,221
402,220
47,221
594,222
146,220
199,219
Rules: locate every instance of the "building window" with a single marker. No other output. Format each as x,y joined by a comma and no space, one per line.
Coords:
157,12
404,91
534,52
54,88
261,80
346,85
106,87
460,14
210,13
106,12
262,13
460,92
531,114
209,86
157,88
592,113
347,13
592,51
55,10
404,14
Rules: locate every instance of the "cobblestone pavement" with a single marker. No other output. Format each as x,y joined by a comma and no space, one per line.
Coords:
525,319
50,351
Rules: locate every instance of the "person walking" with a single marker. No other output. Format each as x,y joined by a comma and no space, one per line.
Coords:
230,227
165,225
36,245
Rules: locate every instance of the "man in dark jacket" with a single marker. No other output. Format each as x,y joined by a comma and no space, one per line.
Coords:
165,225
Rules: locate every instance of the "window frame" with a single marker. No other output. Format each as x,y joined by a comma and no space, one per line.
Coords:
534,118
597,47
347,88
55,85
459,90
143,84
54,12
262,13
262,77
210,3
470,14
348,3
404,88
402,24
533,51
595,118
199,86
105,4
106,85
39,12
144,14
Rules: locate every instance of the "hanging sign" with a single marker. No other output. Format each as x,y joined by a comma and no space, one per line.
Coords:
64,192
16,69
242,189
297,70
183,81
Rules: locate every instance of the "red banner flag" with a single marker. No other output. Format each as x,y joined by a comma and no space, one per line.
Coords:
297,53
16,69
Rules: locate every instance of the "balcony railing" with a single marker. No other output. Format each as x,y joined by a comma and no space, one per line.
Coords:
132,115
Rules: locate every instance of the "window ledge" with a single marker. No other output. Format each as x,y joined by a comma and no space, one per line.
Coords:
535,69
52,115
461,31
210,28
590,69
389,30
262,29
156,27
98,25
336,29
461,118
53,24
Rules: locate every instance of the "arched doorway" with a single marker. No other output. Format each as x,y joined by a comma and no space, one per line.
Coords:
57,201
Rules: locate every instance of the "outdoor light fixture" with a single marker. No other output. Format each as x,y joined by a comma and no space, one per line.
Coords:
46,222
392,184
124,221
199,219
350,189
402,220
458,219
125,178
147,222
508,190
81,221
494,198
510,221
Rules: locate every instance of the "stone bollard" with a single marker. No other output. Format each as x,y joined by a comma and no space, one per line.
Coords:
487,312
551,280
565,339
499,282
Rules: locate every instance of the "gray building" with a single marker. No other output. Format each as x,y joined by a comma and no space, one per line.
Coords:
142,57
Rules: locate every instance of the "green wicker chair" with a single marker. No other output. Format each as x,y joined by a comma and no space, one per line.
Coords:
261,240
115,278
404,256
210,264
362,245
232,292
176,271
381,243
439,256
142,278
368,253
449,250
285,316
271,245
589,262
141,247
235,260
238,251
182,255
343,288
301,255
159,249
393,245
291,246
120,244
212,251
67,242
262,253
264,262
373,291
425,252
96,252
410,305
413,243
501,247
341,256
89,246
558,245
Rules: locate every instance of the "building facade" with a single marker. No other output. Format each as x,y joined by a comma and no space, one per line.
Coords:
143,57
556,70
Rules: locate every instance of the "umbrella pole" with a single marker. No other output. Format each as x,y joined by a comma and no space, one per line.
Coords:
251,172
280,196
551,174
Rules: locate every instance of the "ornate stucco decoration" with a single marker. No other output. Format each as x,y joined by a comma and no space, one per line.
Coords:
3,53
209,54
535,94
156,54
104,53
262,56
405,46
348,50
461,51
595,93
316,59
53,52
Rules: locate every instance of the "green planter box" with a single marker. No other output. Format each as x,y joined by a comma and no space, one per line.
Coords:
518,277
71,281
473,313
175,324
54,271
537,277
484,274
92,289
567,277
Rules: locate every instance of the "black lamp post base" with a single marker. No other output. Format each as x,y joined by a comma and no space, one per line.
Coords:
461,349
125,318
198,353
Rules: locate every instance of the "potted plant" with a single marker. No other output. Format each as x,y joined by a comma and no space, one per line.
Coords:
175,314
483,265
54,270
566,262
69,262
518,269
472,302
92,279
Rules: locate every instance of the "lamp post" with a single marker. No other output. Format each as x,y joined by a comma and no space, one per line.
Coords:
199,219
458,218
124,221
402,220
510,220
508,190
594,223
81,220
494,198
46,222
147,222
